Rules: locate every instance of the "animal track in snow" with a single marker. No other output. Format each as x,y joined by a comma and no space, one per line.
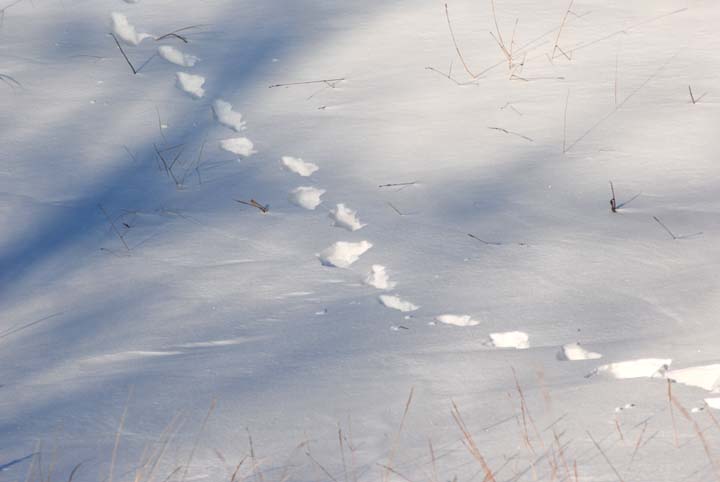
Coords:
510,339
457,320
346,218
343,254
298,166
396,303
306,197
242,146
574,352
177,57
706,377
225,115
191,84
640,368
126,32
627,406
378,278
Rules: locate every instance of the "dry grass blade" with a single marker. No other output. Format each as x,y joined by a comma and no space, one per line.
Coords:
511,133
470,444
394,448
122,51
253,203
560,30
118,435
237,469
10,81
197,439
698,432
74,471
607,459
457,48
176,33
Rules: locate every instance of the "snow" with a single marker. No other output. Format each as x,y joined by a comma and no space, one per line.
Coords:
307,197
378,278
397,303
346,218
706,377
125,31
575,352
343,253
640,368
510,339
298,166
191,83
457,320
176,56
226,116
242,146
131,281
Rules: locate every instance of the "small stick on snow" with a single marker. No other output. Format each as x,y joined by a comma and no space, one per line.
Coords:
176,33
511,133
613,202
617,474
692,97
398,184
255,204
114,228
132,67
330,82
491,243
10,81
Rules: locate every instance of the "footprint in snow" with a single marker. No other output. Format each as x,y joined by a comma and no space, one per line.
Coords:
575,352
306,197
378,278
346,218
241,146
396,303
225,115
457,320
177,57
640,368
510,339
191,84
298,166
343,254
125,31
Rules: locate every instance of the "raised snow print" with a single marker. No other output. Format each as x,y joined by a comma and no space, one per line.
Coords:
298,166
228,117
343,254
190,83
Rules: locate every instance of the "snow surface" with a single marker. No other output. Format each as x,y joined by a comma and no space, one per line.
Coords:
118,273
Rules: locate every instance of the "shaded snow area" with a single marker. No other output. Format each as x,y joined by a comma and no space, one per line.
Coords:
382,240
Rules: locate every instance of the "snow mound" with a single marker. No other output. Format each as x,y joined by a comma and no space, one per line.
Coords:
177,57
396,303
306,197
192,84
510,339
124,31
713,403
378,278
574,352
241,146
706,377
457,320
640,368
342,254
344,217
225,115
298,166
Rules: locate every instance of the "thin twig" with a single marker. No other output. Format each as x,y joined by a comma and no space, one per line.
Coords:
114,228
511,133
617,474
12,331
321,81
132,67
176,33
197,439
562,25
491,243
398,184
255,204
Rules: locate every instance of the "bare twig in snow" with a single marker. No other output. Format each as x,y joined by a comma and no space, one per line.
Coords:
132,67
511,133
329,82
253,203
